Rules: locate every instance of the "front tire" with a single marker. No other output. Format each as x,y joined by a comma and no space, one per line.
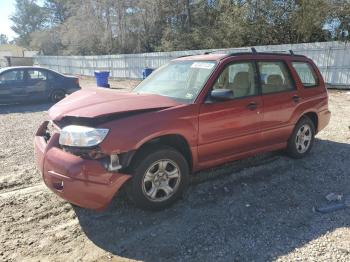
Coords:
302,138
160,176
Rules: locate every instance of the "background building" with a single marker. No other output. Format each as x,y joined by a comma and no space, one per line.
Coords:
12,55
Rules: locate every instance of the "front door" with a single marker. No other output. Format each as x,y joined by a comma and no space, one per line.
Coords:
232,127
36,80
12,86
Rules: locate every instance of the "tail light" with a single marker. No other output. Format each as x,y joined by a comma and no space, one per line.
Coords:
77,81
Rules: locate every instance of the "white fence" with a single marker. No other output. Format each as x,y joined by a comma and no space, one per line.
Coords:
332,58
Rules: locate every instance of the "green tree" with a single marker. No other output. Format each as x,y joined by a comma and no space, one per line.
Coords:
58,11
47,41
131,26
310,19
339,20
28,18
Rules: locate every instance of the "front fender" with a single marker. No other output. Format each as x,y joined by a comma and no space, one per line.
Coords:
132,132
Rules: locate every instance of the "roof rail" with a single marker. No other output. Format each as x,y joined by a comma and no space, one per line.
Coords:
214,51
247,51
223,51
287,52
272,52
250,50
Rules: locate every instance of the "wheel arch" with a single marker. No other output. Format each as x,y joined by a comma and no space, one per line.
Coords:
54,90
314,118
175,141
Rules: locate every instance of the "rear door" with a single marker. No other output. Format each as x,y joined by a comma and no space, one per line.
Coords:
36,83
280,98
228,128
12,86
53,81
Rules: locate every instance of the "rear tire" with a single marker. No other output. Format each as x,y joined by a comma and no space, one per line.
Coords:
57,95
160,176
302,138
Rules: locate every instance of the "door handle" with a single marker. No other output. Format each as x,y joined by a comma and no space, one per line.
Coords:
252,106
296,98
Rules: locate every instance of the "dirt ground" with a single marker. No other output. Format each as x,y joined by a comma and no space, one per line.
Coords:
257,209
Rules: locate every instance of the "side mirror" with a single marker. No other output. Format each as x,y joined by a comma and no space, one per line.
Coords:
221,94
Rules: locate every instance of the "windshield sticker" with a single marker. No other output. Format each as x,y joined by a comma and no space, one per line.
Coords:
189,96
202,65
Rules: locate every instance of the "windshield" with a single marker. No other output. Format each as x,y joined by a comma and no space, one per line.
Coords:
180,80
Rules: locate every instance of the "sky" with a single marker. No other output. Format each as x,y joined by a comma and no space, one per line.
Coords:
7,7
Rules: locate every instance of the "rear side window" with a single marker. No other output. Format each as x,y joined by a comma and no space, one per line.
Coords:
306,74
274,77
36,75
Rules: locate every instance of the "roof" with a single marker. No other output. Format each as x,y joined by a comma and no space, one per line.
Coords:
26,67
23,67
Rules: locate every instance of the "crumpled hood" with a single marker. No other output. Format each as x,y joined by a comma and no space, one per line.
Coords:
101,102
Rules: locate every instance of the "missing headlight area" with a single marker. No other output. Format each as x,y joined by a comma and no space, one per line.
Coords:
86,153
72,129
51,129
110,162
114,164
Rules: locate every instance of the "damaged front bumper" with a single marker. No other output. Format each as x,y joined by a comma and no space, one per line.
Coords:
83,182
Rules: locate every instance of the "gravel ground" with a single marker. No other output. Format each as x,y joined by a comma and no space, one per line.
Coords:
257,209
87,82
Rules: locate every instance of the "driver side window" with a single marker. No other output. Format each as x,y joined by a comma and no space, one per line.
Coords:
13,75
240,78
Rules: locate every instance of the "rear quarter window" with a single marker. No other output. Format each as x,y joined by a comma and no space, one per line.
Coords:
306,74
275,77
50,76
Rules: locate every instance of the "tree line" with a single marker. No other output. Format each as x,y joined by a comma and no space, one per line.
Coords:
86,27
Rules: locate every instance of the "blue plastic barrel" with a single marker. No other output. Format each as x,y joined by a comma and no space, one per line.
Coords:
102,78
146,72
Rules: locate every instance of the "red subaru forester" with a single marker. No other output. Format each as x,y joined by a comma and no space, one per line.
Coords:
194,113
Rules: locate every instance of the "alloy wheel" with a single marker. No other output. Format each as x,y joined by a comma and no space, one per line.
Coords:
303,138
161,180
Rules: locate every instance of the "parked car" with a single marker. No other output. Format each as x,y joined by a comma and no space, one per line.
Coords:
194,113
18,84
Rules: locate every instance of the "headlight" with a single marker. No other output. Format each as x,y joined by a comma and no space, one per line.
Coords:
82,136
